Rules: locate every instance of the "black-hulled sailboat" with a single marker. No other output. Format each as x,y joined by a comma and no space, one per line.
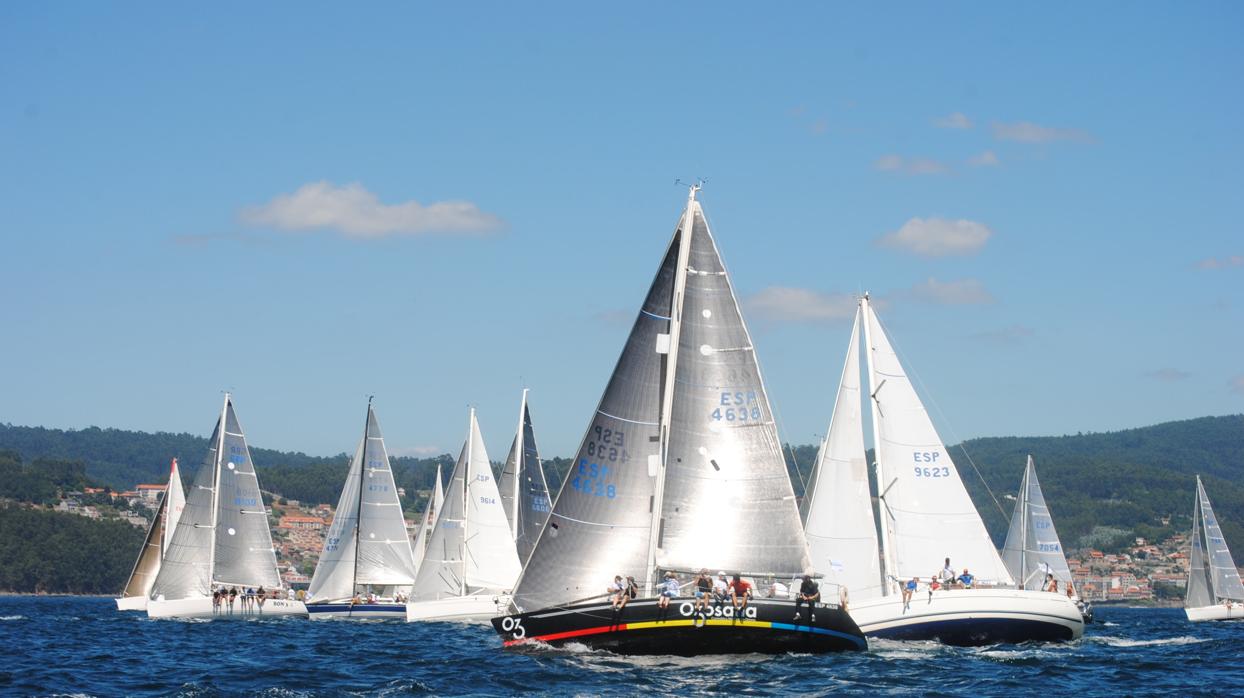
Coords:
680,469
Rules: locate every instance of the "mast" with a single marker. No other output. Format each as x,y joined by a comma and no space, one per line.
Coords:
667,382
887,561
518,462
467,479
1023,540
358,513
220,447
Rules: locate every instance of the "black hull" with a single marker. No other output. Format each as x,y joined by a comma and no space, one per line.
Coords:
767,626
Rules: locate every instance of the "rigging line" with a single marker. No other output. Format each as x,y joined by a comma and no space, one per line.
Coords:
784,445
912,373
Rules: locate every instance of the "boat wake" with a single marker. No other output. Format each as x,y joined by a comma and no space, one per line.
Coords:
1125,642
12,617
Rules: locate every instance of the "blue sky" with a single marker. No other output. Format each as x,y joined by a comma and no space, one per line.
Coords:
442,204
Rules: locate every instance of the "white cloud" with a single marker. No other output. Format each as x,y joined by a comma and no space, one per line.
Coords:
985,159
1168,375
1028,132
1224,263
1007,335
1237,385
938,237
913,166
959,292
785,304
355,212
956,120
416,451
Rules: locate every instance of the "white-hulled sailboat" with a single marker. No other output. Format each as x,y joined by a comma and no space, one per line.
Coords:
222,538
471,563
159,535
926,516
1032,552
524,491
367,568
427,520
1214,588
680,468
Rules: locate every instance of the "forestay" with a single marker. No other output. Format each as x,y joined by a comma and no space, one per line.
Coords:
926,512
471,549
841,529
524,491
727,499
600,522
1032,549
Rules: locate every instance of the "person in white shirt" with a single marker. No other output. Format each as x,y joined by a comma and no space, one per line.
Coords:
778,590
669,589
616,591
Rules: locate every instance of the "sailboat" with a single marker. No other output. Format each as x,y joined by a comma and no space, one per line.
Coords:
222,538
471,563
159,535
1032,550
367,566
524,491
680,469
1214,588
926,516
427,523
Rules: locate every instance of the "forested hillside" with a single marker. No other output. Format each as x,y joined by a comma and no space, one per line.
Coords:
1103,488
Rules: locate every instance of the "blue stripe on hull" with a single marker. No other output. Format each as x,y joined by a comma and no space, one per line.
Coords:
971,632
376,610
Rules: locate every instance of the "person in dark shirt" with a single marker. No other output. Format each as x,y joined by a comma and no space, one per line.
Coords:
703,590
809,593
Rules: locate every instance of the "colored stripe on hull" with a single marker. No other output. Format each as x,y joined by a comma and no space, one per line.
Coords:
653,625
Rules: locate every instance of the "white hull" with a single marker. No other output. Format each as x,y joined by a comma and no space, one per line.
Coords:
1216,612
201,607
971,616
459,608
132,603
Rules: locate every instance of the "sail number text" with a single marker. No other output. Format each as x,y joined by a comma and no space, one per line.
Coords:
592,478
607,445
738,406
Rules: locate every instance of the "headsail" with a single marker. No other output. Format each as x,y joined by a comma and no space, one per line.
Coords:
367,543
724,470
159,534
244,552
186,568
1032,549
601,519
841,529
436,499
926,512
173,504
471,549
1223,575
524,491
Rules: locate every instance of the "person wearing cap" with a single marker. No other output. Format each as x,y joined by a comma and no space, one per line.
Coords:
669,589
809,593
740,592
616,592
721,589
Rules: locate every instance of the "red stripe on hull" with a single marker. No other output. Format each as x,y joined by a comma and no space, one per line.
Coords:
569,633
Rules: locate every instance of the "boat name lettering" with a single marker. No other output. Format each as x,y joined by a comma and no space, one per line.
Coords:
687,609
936,471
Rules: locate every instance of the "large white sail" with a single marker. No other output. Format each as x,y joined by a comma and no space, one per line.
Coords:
601,518
524,491
1213,576
436,499
839,522
1032,549
222,535
159,535
926,512
724,470
173,504
471,548
367,543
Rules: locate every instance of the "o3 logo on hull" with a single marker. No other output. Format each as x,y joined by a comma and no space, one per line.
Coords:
514,626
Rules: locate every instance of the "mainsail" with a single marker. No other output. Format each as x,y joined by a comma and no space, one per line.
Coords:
841,529
471,549
926,512
222,535
680,466
1032,549
524,491
159,535
367,543
436,499
1212,574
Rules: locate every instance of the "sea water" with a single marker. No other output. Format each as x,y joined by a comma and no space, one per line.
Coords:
83,646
